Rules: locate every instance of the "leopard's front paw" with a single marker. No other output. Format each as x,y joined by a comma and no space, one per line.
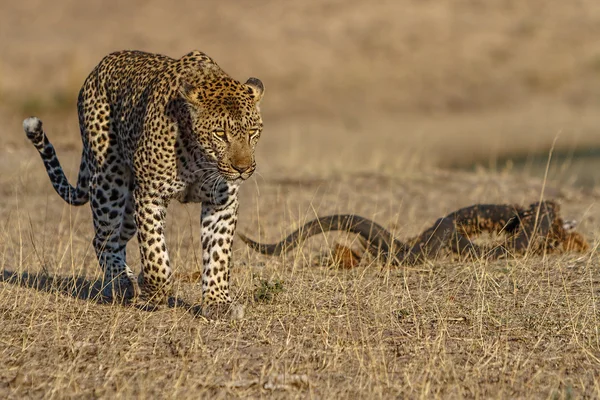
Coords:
231,311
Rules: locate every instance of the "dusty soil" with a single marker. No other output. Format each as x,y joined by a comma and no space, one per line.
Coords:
366,106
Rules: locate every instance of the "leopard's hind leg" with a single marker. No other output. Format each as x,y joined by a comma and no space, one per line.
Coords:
112,211
111,200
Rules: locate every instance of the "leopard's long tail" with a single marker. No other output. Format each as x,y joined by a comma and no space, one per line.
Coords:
376,239
73,195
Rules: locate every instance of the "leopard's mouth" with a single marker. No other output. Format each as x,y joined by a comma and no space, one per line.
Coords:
236,176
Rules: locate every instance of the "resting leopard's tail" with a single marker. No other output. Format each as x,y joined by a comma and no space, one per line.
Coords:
73,195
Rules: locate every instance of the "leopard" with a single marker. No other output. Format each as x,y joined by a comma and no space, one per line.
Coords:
154,130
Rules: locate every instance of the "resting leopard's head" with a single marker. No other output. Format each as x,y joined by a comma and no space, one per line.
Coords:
226,119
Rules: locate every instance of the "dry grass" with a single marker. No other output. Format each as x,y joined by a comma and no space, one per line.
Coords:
517,328
363,103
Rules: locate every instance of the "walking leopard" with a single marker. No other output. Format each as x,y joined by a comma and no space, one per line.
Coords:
155,129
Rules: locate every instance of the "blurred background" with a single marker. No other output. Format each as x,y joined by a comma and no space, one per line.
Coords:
352,86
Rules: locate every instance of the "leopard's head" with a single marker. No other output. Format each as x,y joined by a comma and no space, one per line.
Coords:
226,120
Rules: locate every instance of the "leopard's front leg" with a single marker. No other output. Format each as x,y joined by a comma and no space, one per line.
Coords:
218,229
150,217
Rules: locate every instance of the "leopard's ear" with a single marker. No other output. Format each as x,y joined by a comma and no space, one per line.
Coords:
188,91
257,88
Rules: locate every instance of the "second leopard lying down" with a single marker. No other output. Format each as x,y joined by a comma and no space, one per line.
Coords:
535,229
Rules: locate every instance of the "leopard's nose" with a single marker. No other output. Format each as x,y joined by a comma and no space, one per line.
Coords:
241,168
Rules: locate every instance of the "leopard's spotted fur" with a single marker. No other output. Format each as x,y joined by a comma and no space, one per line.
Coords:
156,129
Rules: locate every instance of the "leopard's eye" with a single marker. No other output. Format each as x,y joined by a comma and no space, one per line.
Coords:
254,132
219,133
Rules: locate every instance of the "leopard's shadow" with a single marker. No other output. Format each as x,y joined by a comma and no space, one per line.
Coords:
82,288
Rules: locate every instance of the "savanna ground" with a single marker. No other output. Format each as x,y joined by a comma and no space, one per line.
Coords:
368,107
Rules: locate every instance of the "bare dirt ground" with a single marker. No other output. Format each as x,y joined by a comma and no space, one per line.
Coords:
367,105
